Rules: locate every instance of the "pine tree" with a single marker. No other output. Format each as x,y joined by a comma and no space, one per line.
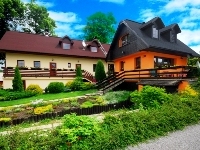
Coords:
78,72
100,73
17,81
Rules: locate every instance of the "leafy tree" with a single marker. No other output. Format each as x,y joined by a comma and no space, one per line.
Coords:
100,26
193,61
17,81
11,15
37,19
100,71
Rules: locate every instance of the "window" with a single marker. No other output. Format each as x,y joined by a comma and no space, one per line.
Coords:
155,33
36,64
124,40
94,67
69,65
66,46
93,49
20,63
161,61
137,63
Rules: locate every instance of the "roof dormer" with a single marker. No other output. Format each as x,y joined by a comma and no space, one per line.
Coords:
152,27
66,42
170,32
94,45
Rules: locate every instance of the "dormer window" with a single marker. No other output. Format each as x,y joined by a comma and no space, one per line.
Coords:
66,46
155,33
123,40
93,49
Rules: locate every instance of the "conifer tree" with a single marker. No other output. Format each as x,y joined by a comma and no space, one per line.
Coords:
17,81
100,73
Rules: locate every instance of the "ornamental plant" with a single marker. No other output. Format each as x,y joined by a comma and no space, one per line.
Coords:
100,73
150,97
56,87
188,92
75,127
78,72
17,83
43,109
34,88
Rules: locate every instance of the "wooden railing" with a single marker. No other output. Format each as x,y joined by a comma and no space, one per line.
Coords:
178,72
48,73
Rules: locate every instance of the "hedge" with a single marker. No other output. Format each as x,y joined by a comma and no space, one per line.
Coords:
117,131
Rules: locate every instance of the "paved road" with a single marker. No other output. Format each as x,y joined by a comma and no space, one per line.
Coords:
187,139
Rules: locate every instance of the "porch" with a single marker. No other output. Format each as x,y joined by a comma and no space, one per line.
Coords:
167,76
45,72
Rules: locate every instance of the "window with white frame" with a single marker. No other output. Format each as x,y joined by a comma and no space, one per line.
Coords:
20,63
155,33
36,64
66,46
93,49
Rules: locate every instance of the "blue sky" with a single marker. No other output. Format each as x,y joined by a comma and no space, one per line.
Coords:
71,15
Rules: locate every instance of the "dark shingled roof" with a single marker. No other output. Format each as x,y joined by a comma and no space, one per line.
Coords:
170,27
150,22
159,82
159,43
13,41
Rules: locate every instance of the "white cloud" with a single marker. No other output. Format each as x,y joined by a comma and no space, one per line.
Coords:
67,29
146,15
196,48
68,23
114,1
64,16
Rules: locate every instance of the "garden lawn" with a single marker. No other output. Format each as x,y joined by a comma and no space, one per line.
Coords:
45,97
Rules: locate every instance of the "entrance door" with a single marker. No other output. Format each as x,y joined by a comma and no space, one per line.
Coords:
52,69
122,66
78,65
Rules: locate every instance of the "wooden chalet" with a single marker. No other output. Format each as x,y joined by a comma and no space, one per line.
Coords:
148,54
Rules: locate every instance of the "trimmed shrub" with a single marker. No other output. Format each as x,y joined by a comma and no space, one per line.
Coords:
16,95
150,97
87,86
34,88
76,84
17,83
56,87
100,73
68,84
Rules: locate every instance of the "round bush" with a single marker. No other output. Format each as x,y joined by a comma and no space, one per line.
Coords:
56,87
34,88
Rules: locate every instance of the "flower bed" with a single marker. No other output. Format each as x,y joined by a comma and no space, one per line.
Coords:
38,110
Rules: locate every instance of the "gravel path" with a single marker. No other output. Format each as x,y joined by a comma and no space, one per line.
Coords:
187,139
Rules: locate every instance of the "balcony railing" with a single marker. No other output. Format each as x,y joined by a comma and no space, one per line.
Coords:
44,72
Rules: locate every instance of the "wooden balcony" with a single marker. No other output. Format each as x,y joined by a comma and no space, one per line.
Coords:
44,72
168,73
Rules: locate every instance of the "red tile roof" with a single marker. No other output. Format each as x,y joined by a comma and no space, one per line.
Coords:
13,41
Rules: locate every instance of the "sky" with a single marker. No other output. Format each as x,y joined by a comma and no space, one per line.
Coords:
71,15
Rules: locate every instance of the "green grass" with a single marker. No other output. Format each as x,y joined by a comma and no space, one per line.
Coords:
45,97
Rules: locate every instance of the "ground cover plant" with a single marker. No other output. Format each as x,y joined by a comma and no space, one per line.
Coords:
118,129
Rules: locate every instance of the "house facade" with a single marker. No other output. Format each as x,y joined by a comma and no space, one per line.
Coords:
43,59
138,49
